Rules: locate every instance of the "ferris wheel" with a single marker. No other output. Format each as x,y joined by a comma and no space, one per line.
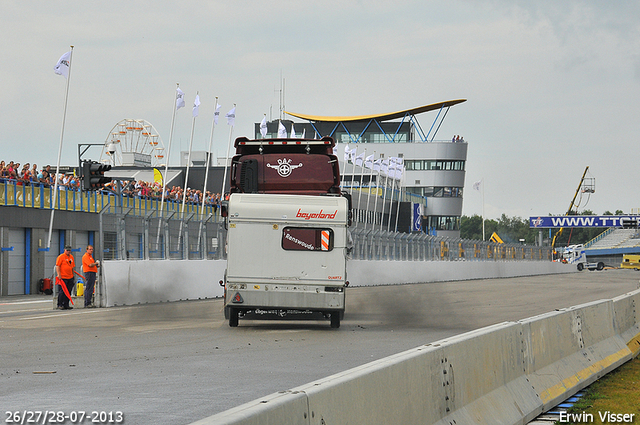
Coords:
133,143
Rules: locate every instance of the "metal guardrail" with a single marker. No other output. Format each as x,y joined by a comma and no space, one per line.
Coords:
14,193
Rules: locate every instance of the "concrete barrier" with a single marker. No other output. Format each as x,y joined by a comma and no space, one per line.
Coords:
135,282
150,281
627,320
569,349
373,273
507,373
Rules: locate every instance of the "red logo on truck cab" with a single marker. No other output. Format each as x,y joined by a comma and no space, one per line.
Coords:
308,216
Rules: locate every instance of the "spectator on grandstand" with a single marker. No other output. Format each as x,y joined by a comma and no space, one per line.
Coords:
43,177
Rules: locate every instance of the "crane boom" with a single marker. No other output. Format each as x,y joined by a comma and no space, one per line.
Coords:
559,232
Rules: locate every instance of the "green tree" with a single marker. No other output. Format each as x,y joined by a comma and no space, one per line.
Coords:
471,227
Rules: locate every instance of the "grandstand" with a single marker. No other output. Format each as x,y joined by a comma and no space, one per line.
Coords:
612,244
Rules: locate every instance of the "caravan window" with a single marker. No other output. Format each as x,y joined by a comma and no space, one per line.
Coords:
307,239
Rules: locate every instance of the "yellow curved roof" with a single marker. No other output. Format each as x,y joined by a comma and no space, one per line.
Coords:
380,117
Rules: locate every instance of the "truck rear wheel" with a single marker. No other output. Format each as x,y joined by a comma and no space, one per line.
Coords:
233,317
600,266
335,319
580,267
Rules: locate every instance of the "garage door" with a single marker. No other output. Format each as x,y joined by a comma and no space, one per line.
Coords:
16,262
51,255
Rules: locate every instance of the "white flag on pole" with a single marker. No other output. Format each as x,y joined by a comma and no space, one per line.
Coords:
335,150
359,159
263,126
396,167
196,106
347,153
368,161
179,98
282,132
353,154
476,185
384,167
216,114
231,116
293,132
377,164
303,131
62,67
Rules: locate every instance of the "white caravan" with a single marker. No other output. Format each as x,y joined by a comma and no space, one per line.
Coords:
286,256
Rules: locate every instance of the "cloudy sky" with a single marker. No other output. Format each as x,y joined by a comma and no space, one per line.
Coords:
552,86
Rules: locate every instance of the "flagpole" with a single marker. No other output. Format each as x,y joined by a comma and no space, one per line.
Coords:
361,179
166,167
375,204
384,198
354,157
226,160
186,178
55,185
346,147
483,239
373,161
206,173
393,185
400,193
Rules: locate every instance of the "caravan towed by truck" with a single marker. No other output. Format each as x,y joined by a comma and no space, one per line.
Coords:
287,232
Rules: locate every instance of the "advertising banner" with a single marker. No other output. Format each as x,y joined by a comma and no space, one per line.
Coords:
584,221
416,218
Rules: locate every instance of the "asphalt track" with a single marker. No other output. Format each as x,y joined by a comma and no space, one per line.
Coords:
175,363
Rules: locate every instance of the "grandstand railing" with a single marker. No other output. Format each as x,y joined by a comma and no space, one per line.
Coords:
14,193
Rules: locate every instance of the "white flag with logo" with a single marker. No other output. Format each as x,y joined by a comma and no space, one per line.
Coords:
179,98
62,67
231,116
263,126
377,164
396,168
476,185
347,153
196,106
353,154
384,167
368,161
216,114
282,132
359,160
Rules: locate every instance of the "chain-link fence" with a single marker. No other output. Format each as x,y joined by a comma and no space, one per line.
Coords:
379,245
130,237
